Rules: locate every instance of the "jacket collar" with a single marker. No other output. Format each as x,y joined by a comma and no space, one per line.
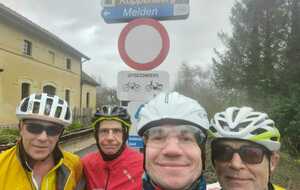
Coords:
200,184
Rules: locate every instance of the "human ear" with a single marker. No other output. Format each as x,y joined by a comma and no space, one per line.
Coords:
274,161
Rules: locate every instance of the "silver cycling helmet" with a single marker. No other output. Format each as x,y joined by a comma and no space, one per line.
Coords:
246,124
172,107
45,107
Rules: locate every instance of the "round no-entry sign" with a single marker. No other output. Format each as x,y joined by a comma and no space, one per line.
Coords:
143,44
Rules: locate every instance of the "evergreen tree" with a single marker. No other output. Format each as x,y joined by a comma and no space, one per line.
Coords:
253,53
261,62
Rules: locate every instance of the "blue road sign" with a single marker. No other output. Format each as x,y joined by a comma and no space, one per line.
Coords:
135,141
156,11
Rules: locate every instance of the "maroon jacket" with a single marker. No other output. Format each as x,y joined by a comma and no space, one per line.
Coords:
123,173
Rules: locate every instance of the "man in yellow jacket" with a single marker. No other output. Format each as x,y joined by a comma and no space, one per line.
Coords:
36,162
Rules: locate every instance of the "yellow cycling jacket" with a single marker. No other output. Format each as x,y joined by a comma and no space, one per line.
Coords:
16,175
276,187
216,186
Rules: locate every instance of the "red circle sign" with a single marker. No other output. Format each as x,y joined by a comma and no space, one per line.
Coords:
159,53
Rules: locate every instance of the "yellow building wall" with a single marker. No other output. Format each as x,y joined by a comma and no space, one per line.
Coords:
86,88
38,70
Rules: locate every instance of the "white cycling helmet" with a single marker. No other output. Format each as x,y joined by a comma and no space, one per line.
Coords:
171,108
246,124
44,107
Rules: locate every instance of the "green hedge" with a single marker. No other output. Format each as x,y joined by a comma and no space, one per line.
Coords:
73,127
8,135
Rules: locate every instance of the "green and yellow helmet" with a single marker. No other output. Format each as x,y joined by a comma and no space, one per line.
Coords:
112,112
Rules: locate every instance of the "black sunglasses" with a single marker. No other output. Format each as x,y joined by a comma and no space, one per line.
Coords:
51,130
249,154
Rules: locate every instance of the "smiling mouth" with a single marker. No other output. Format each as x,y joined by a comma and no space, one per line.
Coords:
237,178
172,165
110,147
41,147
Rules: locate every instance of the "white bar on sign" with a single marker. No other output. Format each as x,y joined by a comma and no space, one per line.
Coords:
181,9
108,3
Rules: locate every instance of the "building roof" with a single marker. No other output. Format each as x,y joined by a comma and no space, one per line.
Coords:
20,21
86,79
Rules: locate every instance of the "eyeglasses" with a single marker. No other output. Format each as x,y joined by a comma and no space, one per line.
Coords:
51,130
249,154
115,131
186,135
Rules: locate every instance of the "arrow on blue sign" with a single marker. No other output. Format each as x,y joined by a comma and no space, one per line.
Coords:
127,13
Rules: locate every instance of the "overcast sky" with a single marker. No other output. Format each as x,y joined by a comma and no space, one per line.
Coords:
80,24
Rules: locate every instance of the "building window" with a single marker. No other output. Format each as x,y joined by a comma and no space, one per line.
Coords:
51,57
88,100
25,90
27,49
68,63
67,96
49,90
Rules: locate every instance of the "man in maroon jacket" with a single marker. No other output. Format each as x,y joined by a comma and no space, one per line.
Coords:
115,166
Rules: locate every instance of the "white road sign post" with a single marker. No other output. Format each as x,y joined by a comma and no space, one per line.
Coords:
141,86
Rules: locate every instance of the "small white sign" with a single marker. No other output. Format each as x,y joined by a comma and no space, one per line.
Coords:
141,86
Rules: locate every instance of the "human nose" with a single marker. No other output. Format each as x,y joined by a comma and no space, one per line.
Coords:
110,134
172,146
236,161
43,135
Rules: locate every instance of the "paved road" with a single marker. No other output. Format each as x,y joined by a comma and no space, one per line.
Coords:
86,150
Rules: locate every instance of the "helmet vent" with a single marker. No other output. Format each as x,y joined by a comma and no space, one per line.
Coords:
241,126
234,114
48,106
38,96
115,111
212,129
259,122
274,139
221,115
258,131
67,116
25,105
251,116
58,112
36,107
105,110
60,101
223,124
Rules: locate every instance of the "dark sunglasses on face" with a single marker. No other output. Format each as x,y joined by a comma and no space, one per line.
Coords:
248,153
36,128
